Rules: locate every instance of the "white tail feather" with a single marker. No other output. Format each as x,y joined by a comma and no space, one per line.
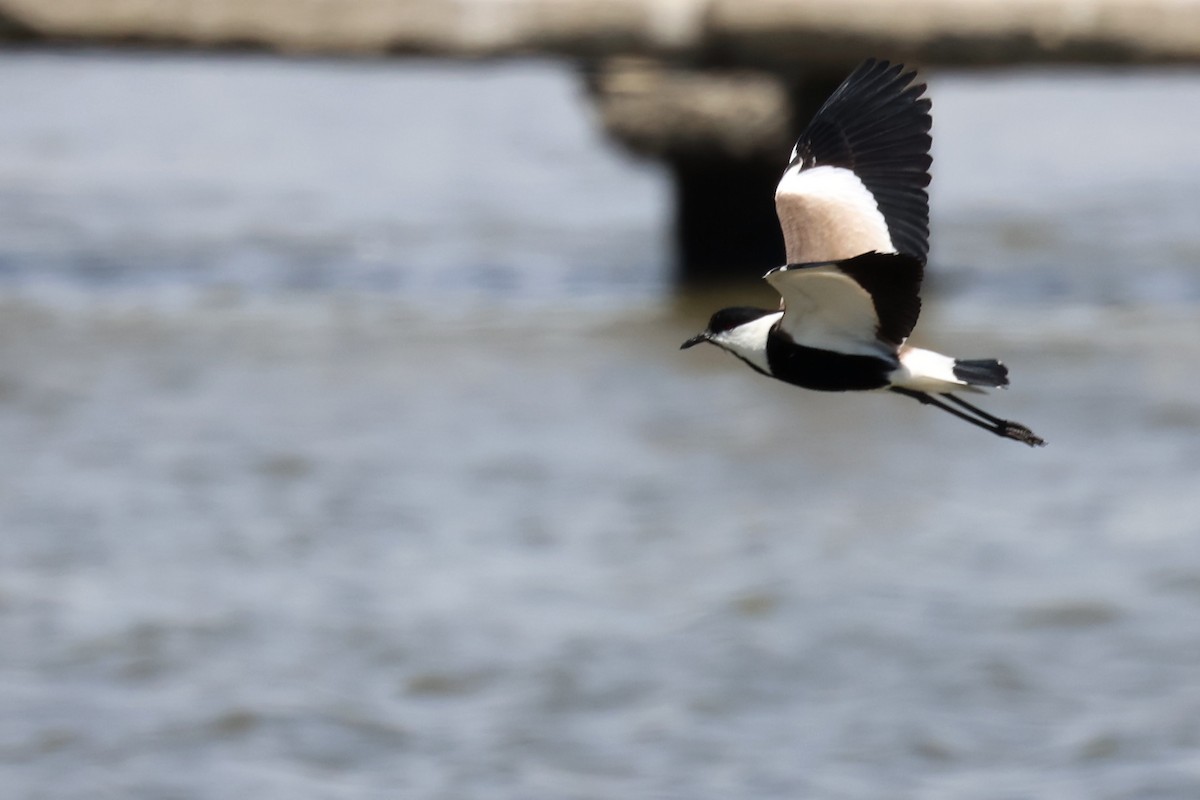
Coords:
927,371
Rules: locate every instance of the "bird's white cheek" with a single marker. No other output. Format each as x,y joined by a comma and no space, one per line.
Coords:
749,341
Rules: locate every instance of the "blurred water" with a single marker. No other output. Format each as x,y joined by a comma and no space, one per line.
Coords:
160,172
348,453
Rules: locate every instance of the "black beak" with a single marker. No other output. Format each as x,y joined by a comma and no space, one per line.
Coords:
695,340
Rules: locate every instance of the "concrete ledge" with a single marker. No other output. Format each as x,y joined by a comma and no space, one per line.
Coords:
653,109
776,33
463,28
959,31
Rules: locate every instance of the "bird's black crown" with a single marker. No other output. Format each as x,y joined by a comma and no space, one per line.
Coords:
728,318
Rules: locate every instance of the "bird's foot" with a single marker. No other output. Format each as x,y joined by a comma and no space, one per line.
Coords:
1017,431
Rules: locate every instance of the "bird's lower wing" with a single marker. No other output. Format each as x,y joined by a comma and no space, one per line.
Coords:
826,309
866,304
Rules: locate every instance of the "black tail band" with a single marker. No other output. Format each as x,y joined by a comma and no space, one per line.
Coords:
981,372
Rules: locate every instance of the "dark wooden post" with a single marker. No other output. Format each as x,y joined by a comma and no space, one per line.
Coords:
725,223
726,135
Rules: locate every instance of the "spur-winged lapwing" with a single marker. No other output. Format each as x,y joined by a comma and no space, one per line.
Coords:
855,218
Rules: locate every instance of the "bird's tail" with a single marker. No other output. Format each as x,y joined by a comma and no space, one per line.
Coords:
927,371
981,372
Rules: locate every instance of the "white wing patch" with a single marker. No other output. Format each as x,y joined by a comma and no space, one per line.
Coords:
827,214
826,309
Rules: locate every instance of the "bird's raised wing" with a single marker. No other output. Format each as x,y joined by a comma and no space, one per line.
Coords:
857,176
866,305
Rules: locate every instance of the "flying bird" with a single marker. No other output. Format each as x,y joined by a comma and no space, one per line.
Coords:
855,216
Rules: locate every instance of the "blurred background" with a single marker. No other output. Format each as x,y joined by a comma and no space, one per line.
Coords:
348,451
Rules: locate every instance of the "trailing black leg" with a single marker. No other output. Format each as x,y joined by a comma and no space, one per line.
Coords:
1000,427
1006,428
928,400
977,410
